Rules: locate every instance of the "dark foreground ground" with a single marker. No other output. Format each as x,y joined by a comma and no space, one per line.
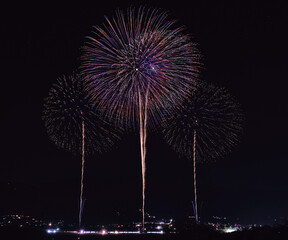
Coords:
199,233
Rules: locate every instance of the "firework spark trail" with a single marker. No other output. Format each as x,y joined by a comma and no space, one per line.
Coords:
194,168
82,174
143,138
143,154
143,159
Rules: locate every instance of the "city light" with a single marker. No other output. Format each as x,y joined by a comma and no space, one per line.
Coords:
230,230
103,232
52,231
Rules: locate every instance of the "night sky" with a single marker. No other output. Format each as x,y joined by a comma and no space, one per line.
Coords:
243,45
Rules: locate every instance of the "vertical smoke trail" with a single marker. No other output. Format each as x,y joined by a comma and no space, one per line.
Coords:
143,173
194,168
143,136
142,146
145,118
82,173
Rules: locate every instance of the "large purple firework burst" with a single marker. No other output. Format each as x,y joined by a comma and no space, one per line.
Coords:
138,56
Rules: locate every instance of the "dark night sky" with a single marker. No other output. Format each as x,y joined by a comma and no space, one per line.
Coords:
243,46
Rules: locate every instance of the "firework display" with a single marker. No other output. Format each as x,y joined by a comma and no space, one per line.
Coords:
140,68
217,119
135,55
209,125
66,108
72,122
